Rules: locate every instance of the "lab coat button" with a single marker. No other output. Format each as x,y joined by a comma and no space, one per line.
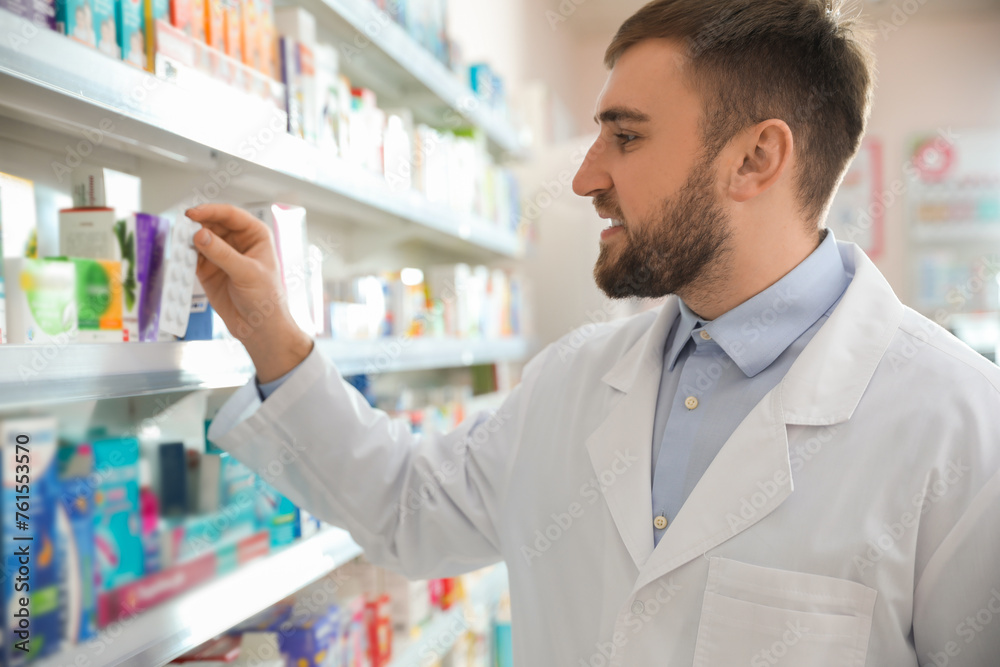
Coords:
637,608
704,335
690,402
660,522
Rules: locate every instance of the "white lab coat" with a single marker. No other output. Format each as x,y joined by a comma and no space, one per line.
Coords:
853,518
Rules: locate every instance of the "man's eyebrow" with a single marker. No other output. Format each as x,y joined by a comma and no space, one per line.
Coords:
618,114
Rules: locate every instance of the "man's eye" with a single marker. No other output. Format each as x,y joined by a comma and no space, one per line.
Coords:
625,139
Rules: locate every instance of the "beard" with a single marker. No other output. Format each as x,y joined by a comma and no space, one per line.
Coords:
672,250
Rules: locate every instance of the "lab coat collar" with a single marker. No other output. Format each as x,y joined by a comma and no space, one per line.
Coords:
751,475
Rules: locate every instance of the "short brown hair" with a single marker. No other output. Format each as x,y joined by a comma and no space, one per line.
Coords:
801,61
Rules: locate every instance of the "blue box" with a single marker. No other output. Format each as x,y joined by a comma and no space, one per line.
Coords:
117,537
28,448
76,542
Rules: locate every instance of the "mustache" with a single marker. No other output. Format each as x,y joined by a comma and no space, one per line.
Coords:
607,207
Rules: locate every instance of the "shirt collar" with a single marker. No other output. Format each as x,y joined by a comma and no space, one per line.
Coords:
757,331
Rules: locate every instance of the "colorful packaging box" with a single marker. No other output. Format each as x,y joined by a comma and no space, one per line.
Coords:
76,538
201,322
188,16
40,12
307,641
151,236
75,18
29,462
116,512
105,27
125,235
153,11
41,301
215,25
232,29
98,300
131,39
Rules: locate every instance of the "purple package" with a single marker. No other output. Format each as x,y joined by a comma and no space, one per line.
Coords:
151,233
40,12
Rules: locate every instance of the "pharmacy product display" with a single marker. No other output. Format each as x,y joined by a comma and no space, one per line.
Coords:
108,539
455,301
115,279
364,616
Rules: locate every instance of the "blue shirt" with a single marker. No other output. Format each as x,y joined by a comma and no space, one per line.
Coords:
715,372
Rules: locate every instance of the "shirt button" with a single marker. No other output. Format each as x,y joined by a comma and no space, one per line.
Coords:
704,335
637,608
660,522
690,402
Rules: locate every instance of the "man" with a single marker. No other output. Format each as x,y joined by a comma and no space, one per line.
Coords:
782,463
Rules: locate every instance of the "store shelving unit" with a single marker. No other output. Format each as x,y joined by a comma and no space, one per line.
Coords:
945,232
51,82
161,634
410,354
439,635
50,374
382,53
54,89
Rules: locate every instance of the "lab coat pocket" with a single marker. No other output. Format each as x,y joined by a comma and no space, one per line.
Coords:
761,617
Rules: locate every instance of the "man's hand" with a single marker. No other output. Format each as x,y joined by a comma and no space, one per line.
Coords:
238,267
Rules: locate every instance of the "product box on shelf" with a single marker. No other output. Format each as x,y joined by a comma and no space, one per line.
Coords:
232,29
215,25
75,528
145,593
288,224
88,232
40,12
98,300
17,209
29,458
116,509
153,11
201,322
188,16
278,514
379,620
75,18
152,234
41,301
131,39
307,641
105,28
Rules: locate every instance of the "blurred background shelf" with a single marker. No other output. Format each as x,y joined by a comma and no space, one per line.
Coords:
381,52
409,354
439,635
32,375
51,83
167,631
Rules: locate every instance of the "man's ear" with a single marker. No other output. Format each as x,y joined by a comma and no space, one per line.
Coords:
763,153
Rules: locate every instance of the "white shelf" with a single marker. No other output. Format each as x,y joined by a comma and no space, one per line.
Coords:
170,629
32,375
438,636
52,82
408,354
949,232
46,374
381,54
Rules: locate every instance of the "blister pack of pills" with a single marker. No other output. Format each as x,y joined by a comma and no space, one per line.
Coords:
179,277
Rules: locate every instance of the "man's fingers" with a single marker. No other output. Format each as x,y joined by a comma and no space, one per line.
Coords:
239,268
225,216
